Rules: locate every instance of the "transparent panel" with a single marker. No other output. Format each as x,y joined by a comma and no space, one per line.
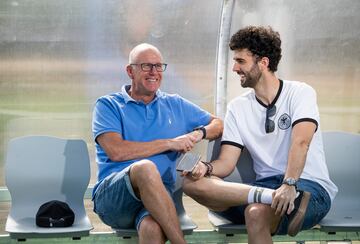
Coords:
321,46
57,57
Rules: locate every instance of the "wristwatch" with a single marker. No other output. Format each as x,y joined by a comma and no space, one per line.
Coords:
202,128
290,182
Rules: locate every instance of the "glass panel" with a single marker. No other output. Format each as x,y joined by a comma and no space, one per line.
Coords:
57,57
321,46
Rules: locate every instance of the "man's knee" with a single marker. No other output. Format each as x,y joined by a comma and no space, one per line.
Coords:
194,188
151,231
256,214
144,174
144,169
189,186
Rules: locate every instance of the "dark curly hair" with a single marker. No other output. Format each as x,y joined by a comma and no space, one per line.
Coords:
261,41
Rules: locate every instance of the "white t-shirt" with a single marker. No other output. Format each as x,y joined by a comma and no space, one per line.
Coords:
245,127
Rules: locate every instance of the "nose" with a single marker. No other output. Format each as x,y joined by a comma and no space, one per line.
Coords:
236,67
153,69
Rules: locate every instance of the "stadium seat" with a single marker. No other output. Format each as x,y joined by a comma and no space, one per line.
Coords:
342,152
40,169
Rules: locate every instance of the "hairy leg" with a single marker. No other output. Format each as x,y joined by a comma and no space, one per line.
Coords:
261,221
148,186
216,194
150,232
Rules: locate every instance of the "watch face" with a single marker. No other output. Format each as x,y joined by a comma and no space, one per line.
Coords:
290,181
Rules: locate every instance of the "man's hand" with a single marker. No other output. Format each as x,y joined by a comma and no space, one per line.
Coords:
198,172
183,143
283,199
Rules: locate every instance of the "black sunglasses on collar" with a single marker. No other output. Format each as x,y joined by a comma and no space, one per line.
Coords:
270,124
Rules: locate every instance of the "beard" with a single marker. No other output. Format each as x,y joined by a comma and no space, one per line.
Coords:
250,78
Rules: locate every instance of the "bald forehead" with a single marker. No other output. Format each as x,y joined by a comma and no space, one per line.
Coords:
142,50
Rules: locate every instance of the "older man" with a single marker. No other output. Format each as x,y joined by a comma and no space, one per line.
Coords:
139,133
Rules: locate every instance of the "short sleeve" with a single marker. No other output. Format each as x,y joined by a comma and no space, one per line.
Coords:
231,133
195,115
106,118
304,105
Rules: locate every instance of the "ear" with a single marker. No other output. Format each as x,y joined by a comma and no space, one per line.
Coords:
130,71
264,63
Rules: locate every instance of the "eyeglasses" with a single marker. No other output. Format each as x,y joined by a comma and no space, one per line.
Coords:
270,124
148,67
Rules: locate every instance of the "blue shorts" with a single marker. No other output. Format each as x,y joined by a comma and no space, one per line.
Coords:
116,204
319,204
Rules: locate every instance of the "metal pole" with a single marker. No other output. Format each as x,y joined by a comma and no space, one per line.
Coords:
222,58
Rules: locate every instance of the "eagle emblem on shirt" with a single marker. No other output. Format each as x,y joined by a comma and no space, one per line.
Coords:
284,121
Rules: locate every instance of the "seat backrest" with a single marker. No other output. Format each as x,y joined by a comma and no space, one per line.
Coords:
342,152
42,168
244,171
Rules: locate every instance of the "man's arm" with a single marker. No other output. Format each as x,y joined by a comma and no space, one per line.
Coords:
301,137
223,166
214,129
119,149
227,160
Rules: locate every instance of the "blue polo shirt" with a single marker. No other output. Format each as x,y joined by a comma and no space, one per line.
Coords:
167,116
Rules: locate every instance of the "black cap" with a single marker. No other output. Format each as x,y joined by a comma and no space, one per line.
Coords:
55,214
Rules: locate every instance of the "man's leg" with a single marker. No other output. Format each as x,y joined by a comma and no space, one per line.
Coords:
216,194
219,195
318,206
115,202
261,222
311,206
148,186
150,232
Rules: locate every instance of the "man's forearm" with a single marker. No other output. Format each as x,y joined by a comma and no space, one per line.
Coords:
296,161
300,142
214,128
129,150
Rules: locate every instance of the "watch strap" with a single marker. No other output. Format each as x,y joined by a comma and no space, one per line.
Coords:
290,182
202,128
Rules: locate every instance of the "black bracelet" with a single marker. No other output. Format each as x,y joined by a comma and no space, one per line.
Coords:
209,167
